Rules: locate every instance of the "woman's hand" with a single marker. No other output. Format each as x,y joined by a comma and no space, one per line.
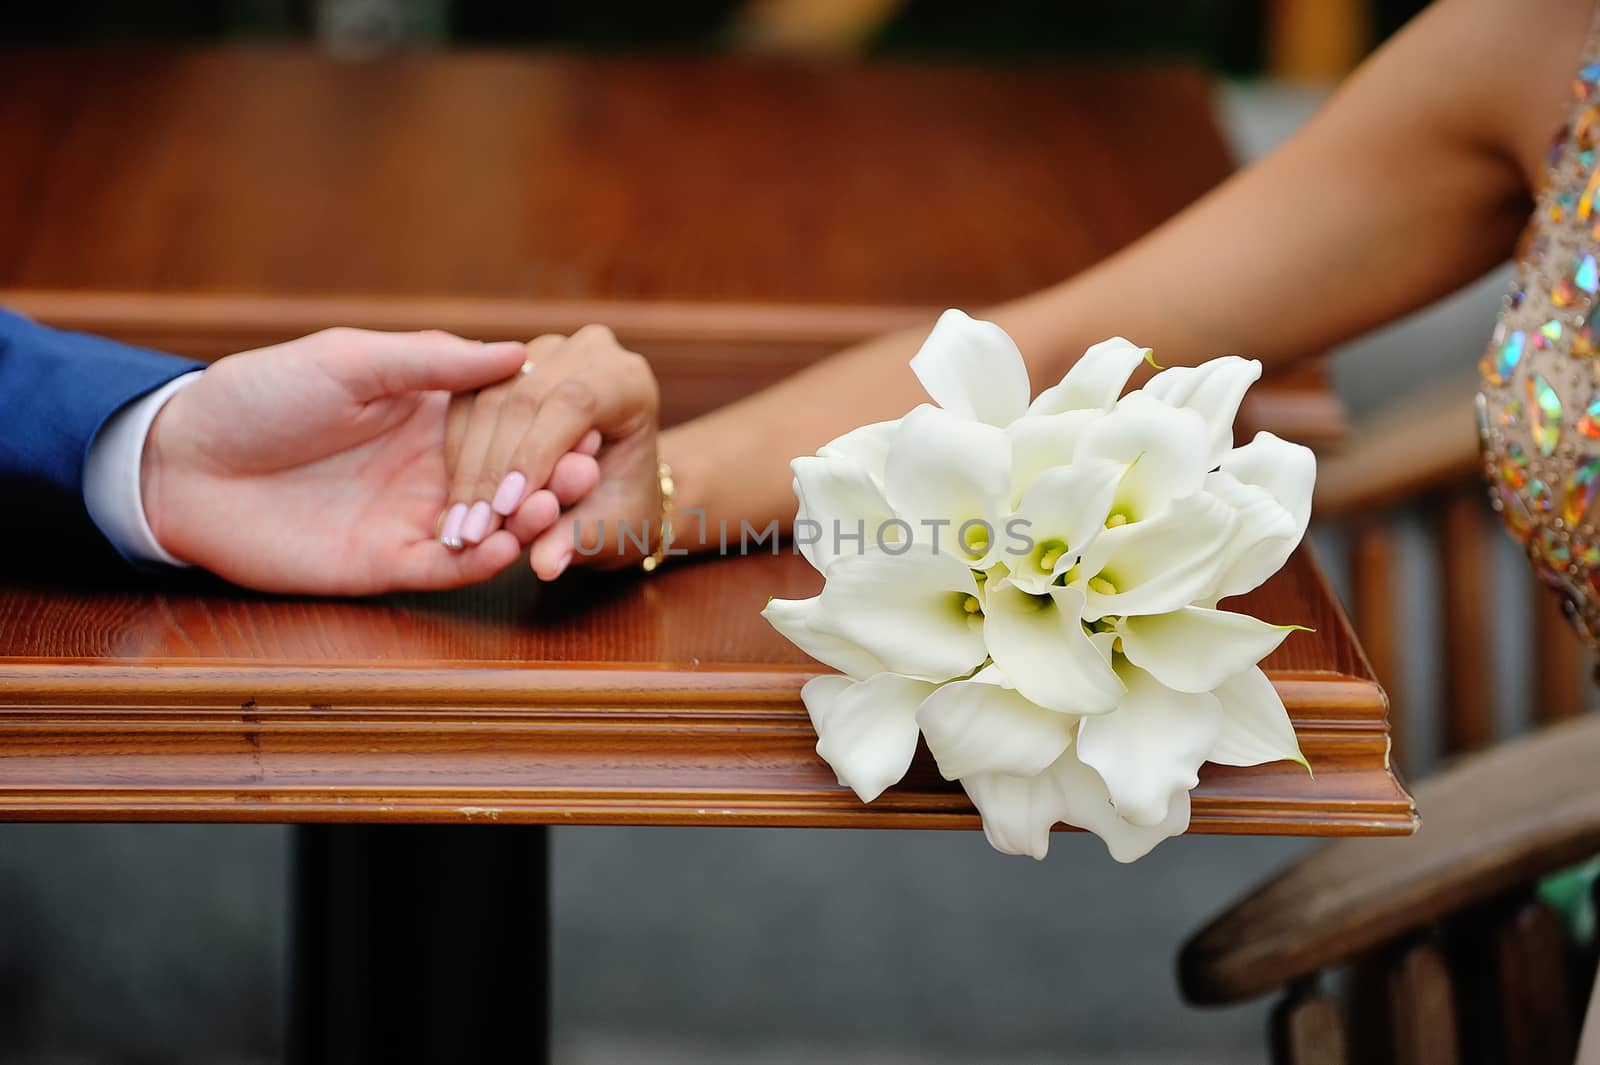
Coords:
316,467
519,451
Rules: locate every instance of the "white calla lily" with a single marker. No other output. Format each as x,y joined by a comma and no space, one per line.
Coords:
1059,515
839,499
1255,726
1156,565
868,445
1039,643
1163,448
793,617
978,726
1195,649
1043,442
946,475
973,369
866,730
918,613
1095,380
1067,663
1018,812
1214,390
1268,482
1151,747
1287,470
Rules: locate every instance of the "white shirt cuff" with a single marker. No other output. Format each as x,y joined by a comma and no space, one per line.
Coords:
111,488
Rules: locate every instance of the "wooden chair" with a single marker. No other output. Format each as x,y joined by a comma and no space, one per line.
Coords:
1425,456
1433,950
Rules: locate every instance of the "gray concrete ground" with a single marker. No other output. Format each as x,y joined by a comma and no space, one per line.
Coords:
166,943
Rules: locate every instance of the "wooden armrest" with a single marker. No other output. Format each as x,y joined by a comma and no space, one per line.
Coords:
1427,442
1492,822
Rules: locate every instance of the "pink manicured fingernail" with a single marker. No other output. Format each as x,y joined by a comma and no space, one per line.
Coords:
476,527
450,534
561,567
509,494
590,443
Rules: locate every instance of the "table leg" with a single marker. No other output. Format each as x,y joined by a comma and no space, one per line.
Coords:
420,943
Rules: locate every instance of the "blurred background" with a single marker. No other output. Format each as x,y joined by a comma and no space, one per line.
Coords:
167,944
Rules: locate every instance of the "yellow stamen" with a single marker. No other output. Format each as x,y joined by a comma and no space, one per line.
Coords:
977,539
1101,585
1048,560
971,605
1116,519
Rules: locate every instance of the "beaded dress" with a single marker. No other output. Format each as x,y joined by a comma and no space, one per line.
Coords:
1539,408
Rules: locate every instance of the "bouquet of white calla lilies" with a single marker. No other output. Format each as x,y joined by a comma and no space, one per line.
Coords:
1032,588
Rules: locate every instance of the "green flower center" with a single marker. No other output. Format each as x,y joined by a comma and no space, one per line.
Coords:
975,538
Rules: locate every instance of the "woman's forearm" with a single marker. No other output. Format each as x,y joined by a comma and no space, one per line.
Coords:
1410,183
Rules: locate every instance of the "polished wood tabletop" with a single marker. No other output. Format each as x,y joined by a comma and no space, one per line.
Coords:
601,699
733,220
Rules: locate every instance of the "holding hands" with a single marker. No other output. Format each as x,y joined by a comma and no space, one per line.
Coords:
520,451
334,463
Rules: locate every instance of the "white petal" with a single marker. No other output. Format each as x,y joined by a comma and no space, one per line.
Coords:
1164,447
1264,537
1018,812
1059,515
1040,442
1196,649
868,445
1157,565
973,370
1287,470
1040,645
905,610
975,727
1087,804
1255,726
839,497
866,730
1269,482
792,618
1214,390
1095,380
944,469
1152,747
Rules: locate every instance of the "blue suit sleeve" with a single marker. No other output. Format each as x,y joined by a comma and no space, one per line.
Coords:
57,389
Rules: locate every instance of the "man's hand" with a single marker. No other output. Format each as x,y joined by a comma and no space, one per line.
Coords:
317,466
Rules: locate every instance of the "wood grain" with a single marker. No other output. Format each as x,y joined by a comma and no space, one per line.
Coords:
1497,821
732,220
601,700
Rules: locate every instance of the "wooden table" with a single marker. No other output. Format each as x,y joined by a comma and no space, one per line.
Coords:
733,220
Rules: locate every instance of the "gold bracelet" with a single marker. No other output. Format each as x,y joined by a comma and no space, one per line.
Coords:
659,555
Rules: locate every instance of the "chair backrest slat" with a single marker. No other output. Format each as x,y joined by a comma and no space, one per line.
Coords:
1422,1014
1469,718
1308,1029
1531,956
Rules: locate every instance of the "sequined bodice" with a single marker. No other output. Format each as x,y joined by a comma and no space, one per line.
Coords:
1539,409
